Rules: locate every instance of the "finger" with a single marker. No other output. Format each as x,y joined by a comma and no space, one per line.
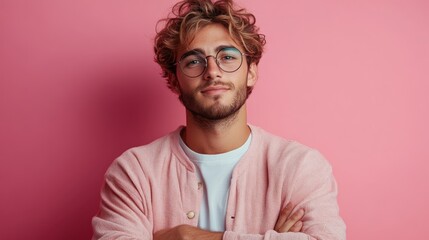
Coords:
294,218
296,227
284,214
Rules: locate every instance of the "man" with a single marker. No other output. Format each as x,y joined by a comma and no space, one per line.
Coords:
217,177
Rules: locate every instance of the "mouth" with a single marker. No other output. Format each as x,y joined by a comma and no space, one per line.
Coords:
214,90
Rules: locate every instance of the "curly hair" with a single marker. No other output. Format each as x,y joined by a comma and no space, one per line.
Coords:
191,15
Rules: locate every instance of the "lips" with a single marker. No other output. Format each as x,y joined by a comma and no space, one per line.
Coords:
213,90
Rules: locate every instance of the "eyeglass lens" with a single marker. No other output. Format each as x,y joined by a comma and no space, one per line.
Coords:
228,59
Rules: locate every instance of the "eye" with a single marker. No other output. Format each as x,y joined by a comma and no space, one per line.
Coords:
228,57
193,63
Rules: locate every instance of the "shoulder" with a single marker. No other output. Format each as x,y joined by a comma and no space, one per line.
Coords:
290,154
155,148
145,157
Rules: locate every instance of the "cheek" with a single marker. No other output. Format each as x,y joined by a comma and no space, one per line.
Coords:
187,85
244,79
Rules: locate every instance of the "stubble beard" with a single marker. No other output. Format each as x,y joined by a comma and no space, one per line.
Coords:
216,113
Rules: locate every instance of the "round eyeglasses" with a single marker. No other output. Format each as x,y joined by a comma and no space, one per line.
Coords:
194,63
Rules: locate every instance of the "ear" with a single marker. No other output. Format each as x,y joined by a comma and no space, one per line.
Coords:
252,75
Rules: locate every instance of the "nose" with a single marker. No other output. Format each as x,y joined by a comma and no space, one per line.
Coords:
212,69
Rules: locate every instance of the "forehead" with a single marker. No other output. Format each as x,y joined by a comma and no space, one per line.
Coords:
209,38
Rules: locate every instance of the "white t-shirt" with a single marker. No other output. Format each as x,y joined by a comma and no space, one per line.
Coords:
215,171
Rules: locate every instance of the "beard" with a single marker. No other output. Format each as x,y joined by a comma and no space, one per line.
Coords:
216,111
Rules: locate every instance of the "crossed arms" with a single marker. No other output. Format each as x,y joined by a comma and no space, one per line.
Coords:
130,197
287,222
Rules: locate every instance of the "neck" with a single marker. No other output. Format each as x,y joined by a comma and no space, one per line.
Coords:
216,136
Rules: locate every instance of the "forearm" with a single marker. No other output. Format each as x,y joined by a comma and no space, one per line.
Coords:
206,235
269,235
187,232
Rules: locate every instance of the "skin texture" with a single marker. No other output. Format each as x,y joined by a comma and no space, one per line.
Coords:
205,133
288,222
216,119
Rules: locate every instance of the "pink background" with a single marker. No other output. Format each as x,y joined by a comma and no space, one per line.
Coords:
78,86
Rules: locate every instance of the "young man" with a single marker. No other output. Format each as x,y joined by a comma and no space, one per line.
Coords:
217,177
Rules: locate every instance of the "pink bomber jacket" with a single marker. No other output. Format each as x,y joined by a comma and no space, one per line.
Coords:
154,187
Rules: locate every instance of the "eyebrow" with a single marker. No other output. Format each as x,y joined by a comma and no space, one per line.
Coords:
201,51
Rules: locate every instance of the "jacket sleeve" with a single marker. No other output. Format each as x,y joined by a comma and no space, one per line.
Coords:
122,213
310,185
269,235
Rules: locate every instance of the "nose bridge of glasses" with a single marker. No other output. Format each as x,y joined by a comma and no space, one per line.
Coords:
214,58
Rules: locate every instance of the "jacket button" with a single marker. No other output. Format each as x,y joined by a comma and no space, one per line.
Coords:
200,185
190,214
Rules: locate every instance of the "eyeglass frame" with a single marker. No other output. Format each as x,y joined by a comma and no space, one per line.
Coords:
207,61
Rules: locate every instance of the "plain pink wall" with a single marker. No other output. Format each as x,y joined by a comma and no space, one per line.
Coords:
78,86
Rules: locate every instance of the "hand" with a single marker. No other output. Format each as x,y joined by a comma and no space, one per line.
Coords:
186,232
288,222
